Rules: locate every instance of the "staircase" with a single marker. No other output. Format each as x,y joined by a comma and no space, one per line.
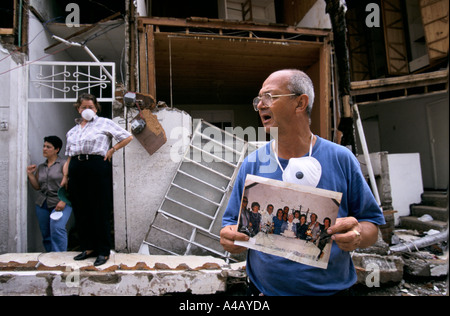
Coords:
435,204
189,219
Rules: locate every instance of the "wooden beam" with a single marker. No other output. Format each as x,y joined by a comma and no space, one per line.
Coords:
132,80
396,83
226,25
151,60
143,70
306,44
6,31
324,82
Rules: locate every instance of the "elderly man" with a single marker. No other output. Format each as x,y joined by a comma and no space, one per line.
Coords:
285,102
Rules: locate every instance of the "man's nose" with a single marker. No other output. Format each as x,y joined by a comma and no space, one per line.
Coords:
261,105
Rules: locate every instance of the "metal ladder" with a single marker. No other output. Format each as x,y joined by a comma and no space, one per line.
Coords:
188,221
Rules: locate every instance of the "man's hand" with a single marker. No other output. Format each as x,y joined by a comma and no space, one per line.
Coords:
228,235
350,234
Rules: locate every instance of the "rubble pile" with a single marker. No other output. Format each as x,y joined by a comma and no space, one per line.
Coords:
415,264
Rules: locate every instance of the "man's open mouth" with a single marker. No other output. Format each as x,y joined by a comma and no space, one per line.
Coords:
266,117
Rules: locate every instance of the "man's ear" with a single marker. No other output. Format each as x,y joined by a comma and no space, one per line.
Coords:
302,102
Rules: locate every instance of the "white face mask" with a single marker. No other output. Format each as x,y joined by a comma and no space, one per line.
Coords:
88,114
303,170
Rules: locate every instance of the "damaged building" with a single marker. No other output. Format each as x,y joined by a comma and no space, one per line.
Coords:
192,68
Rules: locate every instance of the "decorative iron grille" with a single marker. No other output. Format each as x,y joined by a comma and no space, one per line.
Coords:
65,81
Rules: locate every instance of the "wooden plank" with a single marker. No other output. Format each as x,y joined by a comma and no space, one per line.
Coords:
431,77
132,78
435,22
143,70
151,60
324,87
394,37
398,83
6,31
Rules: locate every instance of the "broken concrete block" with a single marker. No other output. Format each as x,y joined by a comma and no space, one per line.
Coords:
438,268
380,247
29,282
424,264
373,270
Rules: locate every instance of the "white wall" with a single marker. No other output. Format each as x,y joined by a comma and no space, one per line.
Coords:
141,183
406,182
13,106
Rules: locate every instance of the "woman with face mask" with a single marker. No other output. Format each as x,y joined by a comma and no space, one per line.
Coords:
87,176
51,212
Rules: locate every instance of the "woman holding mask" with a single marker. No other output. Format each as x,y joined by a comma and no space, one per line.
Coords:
87,174
46,179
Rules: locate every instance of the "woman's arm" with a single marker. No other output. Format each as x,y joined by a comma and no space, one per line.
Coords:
65,179
32,176
117,146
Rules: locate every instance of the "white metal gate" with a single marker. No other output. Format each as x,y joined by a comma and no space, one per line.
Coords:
188,221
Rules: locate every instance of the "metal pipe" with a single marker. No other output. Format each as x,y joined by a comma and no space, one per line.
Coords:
87,50
365,149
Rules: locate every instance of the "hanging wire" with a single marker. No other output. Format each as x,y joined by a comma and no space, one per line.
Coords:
44,24
28,63
109,28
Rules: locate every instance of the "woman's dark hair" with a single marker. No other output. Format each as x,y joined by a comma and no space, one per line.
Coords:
87,96
55,141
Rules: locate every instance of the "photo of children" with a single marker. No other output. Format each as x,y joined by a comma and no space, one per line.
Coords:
297,230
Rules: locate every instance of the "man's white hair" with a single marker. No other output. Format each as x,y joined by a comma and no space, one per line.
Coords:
300,83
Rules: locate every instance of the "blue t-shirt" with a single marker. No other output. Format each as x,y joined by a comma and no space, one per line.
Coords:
274,275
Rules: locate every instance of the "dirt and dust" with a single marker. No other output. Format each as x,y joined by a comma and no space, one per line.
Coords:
411,287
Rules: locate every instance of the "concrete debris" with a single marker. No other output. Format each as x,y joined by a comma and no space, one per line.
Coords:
422,259
424,264
379,248
374,270
123,274
407,288
63,261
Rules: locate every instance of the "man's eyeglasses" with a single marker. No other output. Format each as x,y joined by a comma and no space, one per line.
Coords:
267,99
